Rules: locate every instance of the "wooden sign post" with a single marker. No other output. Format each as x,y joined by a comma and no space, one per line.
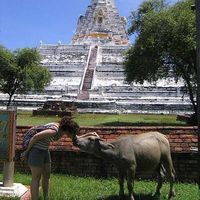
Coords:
7,144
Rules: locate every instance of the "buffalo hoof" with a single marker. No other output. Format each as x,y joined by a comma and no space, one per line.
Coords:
128,198
171,195
131,197
156,196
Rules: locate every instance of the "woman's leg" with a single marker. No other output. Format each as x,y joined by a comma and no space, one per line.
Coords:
35,182
46,170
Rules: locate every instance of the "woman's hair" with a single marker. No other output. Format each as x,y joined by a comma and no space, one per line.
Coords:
67,124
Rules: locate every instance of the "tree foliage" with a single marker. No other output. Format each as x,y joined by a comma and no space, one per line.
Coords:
165,44
20,72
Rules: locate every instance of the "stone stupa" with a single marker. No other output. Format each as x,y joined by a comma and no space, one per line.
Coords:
89,70
101,24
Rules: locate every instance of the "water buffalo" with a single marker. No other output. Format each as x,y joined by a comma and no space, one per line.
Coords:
143,152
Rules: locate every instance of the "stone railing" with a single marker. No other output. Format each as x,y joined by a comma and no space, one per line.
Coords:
85,69
71,67
46,49
114,49
110,74
65,73
111,68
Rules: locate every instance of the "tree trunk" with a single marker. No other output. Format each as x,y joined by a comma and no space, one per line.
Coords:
188,82
9,100
193,119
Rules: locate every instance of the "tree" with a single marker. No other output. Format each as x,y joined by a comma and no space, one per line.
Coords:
20,72
165,44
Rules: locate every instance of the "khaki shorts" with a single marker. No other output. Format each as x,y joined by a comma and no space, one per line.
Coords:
38,157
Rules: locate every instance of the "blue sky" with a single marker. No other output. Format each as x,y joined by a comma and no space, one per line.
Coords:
24,23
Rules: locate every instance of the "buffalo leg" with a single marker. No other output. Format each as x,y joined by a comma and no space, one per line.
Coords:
121,185
171,175
161,174
172,179
130,181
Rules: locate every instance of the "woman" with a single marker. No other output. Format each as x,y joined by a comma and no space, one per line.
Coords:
38,156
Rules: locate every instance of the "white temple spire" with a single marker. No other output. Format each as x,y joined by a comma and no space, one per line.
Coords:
111,2
99,24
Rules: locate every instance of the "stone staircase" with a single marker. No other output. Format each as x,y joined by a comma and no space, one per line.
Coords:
87,83
83,95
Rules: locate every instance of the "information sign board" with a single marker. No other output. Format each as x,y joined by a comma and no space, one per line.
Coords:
7,135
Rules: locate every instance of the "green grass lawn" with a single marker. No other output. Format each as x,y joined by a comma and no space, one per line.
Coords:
26,118
76,188
64,187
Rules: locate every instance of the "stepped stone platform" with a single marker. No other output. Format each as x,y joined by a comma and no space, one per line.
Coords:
93,78
89,71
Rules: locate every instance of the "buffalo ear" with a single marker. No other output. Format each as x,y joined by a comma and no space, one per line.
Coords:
111,146
103,144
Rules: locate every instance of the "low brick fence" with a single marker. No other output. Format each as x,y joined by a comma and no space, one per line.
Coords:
68,159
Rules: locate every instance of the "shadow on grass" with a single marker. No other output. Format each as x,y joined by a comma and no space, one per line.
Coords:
136,196
137,124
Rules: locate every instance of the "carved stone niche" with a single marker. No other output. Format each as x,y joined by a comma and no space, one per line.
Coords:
100,17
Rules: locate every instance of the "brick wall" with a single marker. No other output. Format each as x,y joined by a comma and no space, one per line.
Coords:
68,159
